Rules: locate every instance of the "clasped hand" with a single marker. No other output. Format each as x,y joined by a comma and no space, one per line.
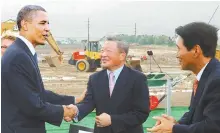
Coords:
70,111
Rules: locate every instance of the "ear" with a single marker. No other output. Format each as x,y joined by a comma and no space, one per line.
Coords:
197,50
122,56
24,25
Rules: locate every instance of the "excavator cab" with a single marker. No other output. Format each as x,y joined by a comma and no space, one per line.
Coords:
93,46
93,50
87,60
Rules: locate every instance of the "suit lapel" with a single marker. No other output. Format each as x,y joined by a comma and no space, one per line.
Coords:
200,90
27,50
210,68
104,84
19,42
120,83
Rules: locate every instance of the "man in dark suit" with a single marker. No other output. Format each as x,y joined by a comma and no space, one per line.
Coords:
119,94
26,105
196,44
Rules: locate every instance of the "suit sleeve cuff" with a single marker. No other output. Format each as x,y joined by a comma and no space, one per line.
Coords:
116,125
75,119
180,128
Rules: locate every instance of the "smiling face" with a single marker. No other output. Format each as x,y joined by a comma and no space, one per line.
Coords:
111,56
37,29
186,58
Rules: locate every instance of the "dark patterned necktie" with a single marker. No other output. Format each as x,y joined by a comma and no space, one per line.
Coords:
195,86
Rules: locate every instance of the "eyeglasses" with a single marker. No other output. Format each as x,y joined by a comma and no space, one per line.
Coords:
106,50
4,47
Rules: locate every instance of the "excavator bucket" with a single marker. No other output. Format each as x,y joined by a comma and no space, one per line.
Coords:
134,63
53,61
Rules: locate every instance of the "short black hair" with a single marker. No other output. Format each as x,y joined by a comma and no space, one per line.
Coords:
203,34
26,13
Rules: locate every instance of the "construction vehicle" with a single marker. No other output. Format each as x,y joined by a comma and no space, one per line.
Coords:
217,54
54,60
134,63
87,60
9,27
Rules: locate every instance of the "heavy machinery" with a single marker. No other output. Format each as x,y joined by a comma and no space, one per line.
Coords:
10,27
87,60
217,54
55,60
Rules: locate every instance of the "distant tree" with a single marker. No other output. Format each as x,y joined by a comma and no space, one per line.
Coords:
147,39
71,41
59,42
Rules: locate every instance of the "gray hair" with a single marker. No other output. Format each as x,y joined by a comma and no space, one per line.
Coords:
122,46
26,13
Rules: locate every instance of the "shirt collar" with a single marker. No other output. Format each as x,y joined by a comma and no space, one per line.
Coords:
28,43
198,76
116,72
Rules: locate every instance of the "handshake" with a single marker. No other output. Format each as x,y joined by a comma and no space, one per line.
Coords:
70,111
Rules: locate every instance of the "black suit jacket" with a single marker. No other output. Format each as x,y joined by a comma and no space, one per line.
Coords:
204,111
128,106
26,105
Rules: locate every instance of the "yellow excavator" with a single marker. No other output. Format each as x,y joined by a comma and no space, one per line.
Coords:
9,27
217,54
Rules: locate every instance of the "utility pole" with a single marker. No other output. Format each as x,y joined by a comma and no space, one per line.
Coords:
213,14
88,32
135,30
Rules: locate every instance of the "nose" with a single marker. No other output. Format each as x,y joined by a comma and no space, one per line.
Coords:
47,28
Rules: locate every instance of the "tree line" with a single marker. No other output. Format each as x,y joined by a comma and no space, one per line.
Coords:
147,39
132,39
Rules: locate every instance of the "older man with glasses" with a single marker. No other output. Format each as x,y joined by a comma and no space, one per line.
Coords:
6,41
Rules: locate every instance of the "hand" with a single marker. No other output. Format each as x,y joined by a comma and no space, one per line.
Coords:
103,120
165,126
70,111
170,118
82,96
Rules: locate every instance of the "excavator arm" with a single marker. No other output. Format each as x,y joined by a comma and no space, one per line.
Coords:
8,27
51,41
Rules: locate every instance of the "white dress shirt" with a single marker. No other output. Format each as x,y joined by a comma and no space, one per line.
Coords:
28,43
198,76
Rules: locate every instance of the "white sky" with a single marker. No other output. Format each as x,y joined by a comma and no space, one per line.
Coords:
68,18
